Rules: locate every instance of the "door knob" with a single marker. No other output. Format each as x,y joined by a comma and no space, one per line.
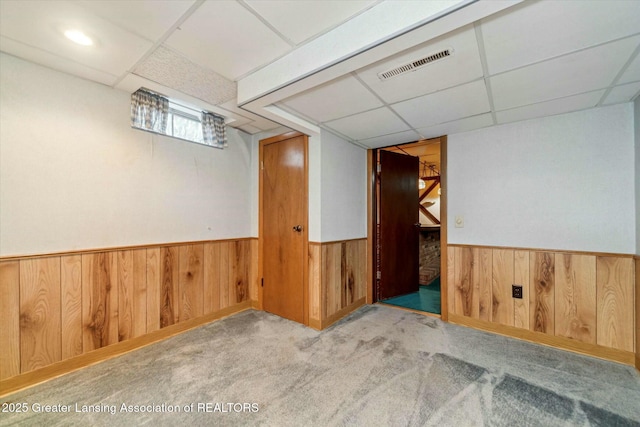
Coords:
297,228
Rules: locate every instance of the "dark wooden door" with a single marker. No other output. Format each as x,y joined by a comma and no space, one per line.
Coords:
284,227
398,239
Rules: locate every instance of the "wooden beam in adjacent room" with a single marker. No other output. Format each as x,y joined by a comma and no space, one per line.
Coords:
429,214
429,190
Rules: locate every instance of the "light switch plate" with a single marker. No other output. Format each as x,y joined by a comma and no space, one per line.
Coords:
459,221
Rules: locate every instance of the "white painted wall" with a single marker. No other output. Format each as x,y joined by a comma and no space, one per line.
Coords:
343,190
636,122
561,182
74,175
315,190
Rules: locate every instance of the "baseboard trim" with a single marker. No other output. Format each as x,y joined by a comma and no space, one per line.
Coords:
37,376
562,343
638,362
341,313
315,324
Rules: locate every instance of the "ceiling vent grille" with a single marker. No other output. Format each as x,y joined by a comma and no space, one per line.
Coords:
414,65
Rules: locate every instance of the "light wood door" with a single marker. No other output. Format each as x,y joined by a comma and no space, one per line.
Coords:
284,226
399,264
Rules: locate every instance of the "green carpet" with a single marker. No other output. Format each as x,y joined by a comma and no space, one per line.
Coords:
426,299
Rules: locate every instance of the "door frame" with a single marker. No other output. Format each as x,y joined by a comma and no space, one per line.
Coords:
305,224
372,204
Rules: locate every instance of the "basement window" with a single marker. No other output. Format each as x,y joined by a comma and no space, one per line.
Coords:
184,123
155,113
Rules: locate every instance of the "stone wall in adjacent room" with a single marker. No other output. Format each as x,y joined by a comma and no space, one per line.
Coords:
429,255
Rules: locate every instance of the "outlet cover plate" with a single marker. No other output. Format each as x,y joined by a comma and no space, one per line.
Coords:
516,291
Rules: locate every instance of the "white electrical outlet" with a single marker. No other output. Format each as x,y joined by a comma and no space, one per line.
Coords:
459,221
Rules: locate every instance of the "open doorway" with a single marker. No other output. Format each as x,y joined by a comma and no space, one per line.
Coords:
421,248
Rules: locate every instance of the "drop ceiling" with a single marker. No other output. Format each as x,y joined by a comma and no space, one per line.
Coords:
529,59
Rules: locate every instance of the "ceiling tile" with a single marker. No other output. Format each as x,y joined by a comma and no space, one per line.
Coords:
264,124
451,104
392,139
238,121
299,20
457,126
55,62
171,69
464,66
338,98
257,121
534,31
584,71
148,18
232,106
622,93
632,73
550,108
40,25
250,129
368,124
227,38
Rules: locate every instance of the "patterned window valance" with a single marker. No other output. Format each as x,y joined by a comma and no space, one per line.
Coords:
213,130
149,111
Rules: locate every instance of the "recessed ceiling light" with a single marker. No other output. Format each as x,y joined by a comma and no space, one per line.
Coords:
79,37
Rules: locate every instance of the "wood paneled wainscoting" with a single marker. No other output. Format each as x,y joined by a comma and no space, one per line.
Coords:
60,312
583,302
337,280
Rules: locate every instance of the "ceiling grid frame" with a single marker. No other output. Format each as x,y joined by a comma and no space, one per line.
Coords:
195,6
620,21
619,75
266,22
386,105
485,69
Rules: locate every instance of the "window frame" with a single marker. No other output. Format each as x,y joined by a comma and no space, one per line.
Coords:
184,112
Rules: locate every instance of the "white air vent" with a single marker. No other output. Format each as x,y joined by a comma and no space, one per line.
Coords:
414,65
